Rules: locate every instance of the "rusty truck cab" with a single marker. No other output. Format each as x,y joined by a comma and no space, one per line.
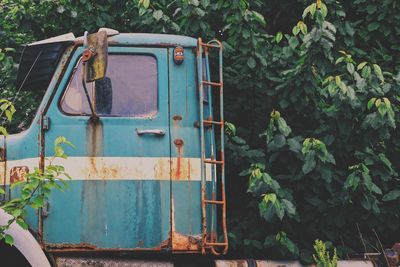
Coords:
146,171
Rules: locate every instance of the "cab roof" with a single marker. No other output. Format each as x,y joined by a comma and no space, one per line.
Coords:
40,59
116,38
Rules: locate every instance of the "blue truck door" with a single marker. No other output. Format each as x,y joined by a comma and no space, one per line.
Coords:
119,196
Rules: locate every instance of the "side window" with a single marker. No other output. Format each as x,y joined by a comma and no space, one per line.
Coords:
130,89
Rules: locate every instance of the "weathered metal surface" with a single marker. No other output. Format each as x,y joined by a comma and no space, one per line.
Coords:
266,263
96,64
25,242
115,192
68,37
65,261
18,173
120,196
231,263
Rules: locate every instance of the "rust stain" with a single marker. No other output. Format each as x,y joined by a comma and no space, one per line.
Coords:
2,154
18,173
177,241
98,169
185,242
71,246
177,118
179,146
176,121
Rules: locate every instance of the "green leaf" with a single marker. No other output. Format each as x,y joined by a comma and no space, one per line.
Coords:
366,72
283,127
313,8
392,195
371,102
295,30
146,3
23,224
352,181
361,65
371,8
350,68
309,162
324,10
259,17
9,239
3,131
2,192
8,114
339,60
378,103
373,26
387,102
278,37
251,63
294,145
58,151
157,14
293,42
230,128
365,203
378,72
289,207
376,189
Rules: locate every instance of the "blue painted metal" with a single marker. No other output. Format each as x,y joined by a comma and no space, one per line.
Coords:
150,39
112,137
106,213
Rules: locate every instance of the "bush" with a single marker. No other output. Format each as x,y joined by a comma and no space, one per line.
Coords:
327,163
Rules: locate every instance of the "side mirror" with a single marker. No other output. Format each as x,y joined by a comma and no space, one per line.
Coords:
95,56
103,88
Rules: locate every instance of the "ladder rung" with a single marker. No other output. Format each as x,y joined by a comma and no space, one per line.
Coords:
219,202
212,83
209,45
212,122
213,161
216,244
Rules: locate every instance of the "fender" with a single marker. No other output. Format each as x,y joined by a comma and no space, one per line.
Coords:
25,242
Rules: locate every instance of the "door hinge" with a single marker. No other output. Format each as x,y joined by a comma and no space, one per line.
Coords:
45,123
45,209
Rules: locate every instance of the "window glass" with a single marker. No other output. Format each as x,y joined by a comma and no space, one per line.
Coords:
129,89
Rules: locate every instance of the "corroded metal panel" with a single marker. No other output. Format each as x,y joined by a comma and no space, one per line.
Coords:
185,143
119,198
108,262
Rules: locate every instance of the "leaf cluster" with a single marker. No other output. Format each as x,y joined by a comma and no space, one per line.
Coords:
34,191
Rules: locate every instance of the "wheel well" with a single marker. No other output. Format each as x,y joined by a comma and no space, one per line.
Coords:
12,256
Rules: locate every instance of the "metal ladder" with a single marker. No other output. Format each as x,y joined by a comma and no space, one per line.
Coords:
210,241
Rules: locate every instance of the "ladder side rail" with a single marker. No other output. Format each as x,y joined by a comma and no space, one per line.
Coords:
221,107
201,123
212,148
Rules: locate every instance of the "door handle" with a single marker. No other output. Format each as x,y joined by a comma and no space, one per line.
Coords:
151,132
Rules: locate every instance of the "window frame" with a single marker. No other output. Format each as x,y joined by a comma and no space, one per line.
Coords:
74,70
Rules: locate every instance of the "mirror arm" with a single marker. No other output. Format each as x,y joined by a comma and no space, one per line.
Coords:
94,115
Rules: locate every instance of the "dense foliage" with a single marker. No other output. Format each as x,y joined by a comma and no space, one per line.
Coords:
313,89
